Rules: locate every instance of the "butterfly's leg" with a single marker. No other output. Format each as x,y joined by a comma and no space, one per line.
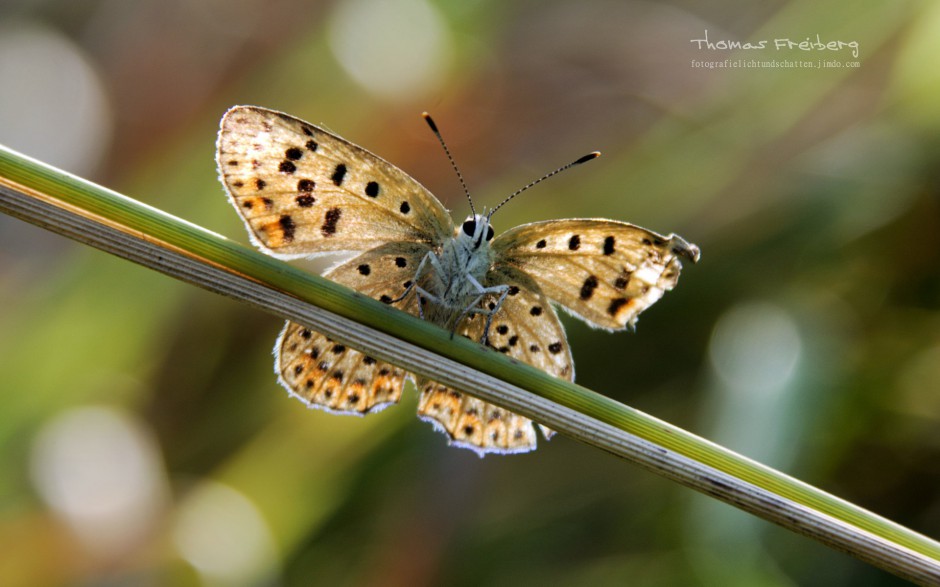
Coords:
414,282
423,296
421,301
482,291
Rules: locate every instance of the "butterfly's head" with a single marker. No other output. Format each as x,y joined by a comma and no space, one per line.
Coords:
475,231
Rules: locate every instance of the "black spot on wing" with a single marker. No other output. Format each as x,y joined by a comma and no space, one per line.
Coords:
609,245
287,167
293,153
329,221
287,227
372,189
588,287
614,308
574,243
339,174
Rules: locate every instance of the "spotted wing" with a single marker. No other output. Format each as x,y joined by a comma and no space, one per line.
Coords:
603,271
472,423
525,327
303,191
328,375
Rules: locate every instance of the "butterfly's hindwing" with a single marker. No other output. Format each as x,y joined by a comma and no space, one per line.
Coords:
329,375
383,273
603,271
472,423
304,191
524,327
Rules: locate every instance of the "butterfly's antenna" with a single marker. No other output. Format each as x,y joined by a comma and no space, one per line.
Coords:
584,159
437,133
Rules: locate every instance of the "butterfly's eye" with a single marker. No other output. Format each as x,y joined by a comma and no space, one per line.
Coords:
469,227
489,233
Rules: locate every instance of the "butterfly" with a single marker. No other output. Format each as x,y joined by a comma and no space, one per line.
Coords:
303,191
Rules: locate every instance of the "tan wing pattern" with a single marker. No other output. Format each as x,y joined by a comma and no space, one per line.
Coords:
472,423
328,375
602,271
527,328
320,193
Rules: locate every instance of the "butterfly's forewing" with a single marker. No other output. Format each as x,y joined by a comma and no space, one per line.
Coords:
526,328
331,376
303,191
603,271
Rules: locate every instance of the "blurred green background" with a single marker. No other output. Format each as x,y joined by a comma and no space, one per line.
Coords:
144,440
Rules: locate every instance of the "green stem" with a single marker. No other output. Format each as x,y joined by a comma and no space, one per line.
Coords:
102,218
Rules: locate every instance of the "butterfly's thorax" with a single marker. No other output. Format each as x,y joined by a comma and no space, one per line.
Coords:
462,260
